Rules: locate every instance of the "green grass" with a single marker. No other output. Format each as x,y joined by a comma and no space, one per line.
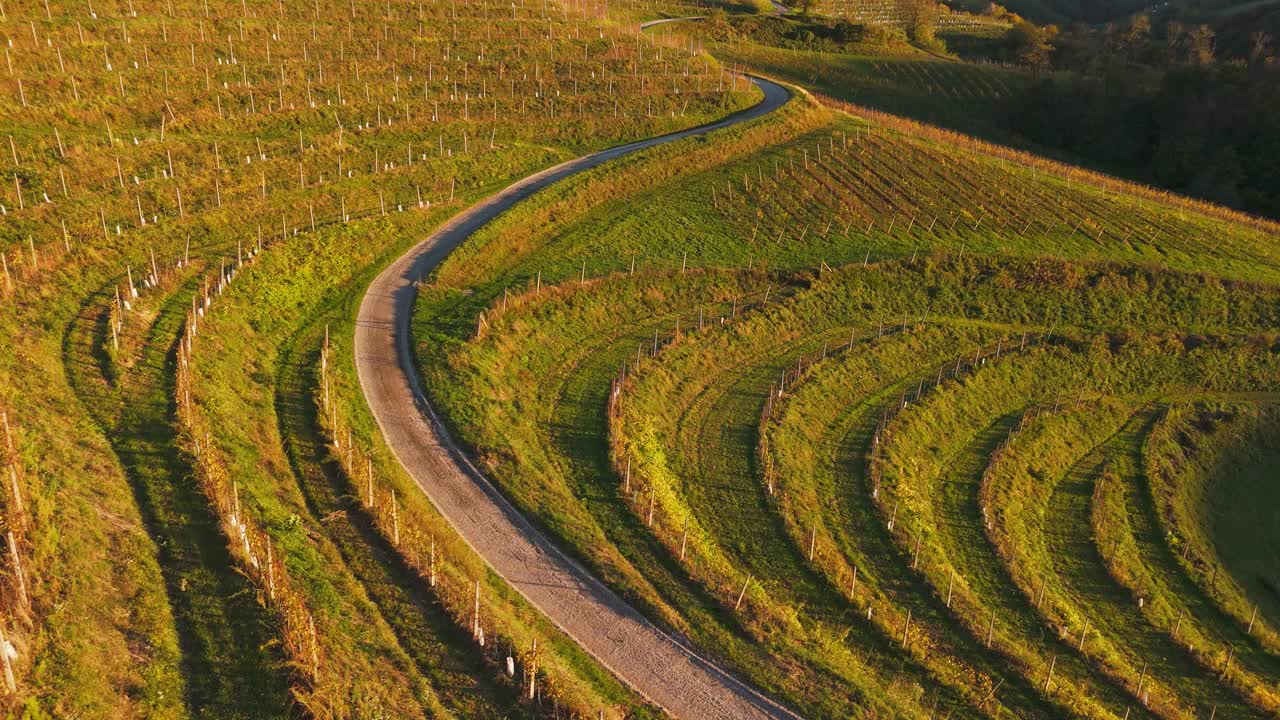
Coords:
534,471
426,646
1207,489
1075,576
821,448
225,126
941,506
1242,528
835,191
966,97
575,677
222,126
528,392
697,453
1133,546
541,409
1024,558
226,666
464,684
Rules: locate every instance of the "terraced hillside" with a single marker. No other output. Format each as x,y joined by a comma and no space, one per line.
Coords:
461,359
871,413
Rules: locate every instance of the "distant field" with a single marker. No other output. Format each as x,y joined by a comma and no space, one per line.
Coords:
962,96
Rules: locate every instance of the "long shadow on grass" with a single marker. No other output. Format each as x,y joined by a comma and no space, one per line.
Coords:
721,427
1148,534
578,434
861,532
441,650
1079,563
230,659
577,431
960,525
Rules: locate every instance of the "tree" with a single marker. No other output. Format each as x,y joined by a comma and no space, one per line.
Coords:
1139,31
806,7
919,20
1200,42
1029,44
717,25
1259,48
1137,37
1173,39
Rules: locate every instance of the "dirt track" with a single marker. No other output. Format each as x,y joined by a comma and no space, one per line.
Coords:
660,667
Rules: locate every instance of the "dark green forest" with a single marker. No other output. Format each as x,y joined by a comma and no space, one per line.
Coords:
1169,104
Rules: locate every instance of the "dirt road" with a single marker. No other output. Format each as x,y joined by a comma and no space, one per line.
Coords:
659,666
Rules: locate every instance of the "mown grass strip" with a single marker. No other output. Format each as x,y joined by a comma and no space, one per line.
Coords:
1191,505
823,475
228,664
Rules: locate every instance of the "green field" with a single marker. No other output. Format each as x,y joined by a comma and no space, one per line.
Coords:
886,420
868,241
157,152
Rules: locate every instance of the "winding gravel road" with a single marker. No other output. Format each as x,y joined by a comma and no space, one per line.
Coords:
662,668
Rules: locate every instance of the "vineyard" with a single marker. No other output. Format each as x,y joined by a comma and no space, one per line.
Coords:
890,12
851,415
888,410
968,97
193,192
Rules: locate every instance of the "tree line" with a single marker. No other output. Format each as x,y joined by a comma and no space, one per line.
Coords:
1159,100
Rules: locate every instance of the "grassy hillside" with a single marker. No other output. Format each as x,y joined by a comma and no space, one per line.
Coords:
890,421
684,372
191,191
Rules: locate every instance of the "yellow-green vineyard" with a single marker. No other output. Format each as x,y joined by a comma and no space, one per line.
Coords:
883,420
877,419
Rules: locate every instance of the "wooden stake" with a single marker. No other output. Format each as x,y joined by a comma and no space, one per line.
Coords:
18,575
742,594
8,434
9,680
395,519
17,494
315,647
684,538
533,669
271,572
432,569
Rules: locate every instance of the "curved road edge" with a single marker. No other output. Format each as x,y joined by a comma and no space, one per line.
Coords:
662,668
